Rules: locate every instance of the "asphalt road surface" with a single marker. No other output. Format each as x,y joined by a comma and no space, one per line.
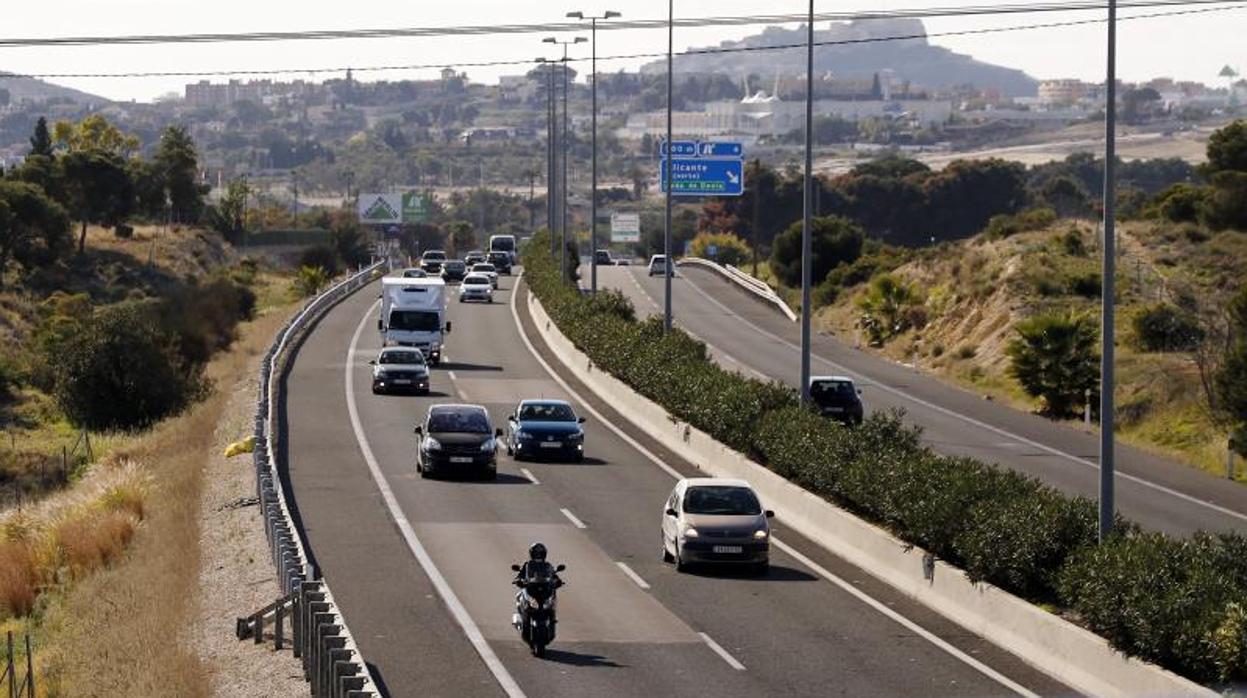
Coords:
752,337
421,568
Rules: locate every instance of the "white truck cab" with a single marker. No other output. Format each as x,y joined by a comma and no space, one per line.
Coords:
413,314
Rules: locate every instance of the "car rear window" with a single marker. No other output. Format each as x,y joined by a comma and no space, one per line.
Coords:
547,413
402,357
721,499
831,389
475,281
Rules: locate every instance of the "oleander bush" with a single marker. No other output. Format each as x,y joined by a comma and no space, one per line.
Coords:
1176,602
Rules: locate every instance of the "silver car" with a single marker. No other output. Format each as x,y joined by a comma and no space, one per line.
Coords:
715,520
399,369
476,287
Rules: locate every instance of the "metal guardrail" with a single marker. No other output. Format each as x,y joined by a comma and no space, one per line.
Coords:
745,281
331,660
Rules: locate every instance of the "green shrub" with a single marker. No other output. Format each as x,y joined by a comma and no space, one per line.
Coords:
966,351
1171,601
1072,244
888,306
1085,284
1180,202
1007,225
123,231
310,280
833,241
1054,357
204,317
121,371
321,257
728,249
1163,327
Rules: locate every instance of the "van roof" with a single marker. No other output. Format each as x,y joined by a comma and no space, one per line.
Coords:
415,281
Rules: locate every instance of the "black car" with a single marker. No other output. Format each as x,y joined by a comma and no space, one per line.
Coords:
603,258
545,429
457,440
501,262
474,257
454,270
837,398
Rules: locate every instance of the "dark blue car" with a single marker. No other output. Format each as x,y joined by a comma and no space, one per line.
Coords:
545,429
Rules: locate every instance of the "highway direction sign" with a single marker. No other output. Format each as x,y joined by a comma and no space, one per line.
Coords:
415,207
380,209
698,177
625,227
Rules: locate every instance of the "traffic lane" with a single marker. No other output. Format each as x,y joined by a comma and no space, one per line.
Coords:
944,431
474,531
403,631
786,625
1156,469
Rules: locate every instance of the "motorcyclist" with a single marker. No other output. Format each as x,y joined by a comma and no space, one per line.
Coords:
536,566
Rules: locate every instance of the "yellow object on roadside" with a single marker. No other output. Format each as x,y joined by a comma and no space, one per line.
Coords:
247,445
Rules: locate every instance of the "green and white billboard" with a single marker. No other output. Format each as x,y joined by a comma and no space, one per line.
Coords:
416,207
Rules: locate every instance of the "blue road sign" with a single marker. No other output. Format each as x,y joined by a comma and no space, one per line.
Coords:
683,149
697,177
720,149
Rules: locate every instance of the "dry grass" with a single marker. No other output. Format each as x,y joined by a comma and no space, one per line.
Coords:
19,578
114,633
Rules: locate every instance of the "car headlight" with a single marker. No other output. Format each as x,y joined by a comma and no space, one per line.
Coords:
489,446
431,444
690,532
576,437
760,534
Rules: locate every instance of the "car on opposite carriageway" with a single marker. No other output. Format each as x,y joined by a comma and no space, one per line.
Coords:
836,397
545,429
457,440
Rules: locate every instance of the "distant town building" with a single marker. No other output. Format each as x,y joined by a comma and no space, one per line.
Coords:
516,88
207,94
1065,91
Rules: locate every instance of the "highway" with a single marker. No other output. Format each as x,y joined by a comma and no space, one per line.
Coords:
421,568
751,337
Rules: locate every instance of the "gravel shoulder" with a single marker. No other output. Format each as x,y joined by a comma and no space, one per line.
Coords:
236,576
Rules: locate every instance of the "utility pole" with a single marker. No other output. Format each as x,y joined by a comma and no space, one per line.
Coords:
757,210
565,151
807,208
593,197
532,215
550,149
1108,273
668,264
294,181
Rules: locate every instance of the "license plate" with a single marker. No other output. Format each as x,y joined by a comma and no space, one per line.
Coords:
460,459
728,548
835,409
551,444
402,381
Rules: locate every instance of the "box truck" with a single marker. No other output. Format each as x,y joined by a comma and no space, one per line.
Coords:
413,314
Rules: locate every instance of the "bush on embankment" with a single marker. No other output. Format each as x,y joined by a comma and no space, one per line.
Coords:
999,526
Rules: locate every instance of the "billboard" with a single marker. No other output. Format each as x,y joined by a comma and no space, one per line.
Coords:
380,209
415,207
625,227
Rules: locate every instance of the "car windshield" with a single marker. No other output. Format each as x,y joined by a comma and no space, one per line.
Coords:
414,320
832,390
458,421
414,274
716,499
454,265
475,281
483,267
547,412
434,256
402,357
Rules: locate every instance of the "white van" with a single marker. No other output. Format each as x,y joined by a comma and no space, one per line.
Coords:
413,314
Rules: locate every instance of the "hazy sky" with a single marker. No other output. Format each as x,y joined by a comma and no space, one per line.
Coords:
1191,47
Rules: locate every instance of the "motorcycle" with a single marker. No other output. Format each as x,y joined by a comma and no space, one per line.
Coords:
535,606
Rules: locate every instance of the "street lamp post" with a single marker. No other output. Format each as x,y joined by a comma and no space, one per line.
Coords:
807,208
593,197
550,149
565,151
1108,273
668,265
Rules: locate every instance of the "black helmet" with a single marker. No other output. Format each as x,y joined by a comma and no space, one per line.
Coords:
537,551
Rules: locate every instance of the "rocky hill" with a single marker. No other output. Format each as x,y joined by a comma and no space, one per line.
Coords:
915,60
21,88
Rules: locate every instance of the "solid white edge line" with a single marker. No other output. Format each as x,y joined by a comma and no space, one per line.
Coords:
531,478
731,661
457,610
633,575
982,425
572,518
907,623
452,375
953,651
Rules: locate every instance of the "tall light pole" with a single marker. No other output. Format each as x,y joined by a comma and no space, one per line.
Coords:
564,147
668,264
593,197
807,208
550,149
1107,277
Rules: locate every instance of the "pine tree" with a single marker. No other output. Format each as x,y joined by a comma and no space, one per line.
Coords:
41,142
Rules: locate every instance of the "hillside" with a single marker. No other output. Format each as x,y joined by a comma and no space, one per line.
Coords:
22,89
914,60
972,293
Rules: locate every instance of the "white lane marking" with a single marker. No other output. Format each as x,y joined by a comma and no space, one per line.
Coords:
905,622
495,666
572,518
958,654
731,661
452,375
633,575
982,425
531,478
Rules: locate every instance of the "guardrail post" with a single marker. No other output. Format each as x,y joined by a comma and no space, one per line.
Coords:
278,626
338,658
259,628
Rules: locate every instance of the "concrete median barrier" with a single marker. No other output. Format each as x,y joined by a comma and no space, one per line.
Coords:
1053,645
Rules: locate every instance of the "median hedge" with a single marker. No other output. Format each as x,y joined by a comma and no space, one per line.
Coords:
1179,603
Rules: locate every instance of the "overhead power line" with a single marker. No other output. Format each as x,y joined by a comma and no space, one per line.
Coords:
487,29
691,52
